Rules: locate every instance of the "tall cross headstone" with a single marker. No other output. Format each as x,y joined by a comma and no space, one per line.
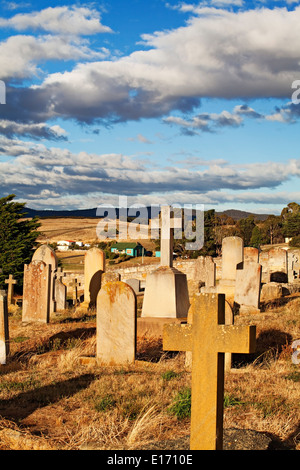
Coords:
10,291
209,339
166,292
166,224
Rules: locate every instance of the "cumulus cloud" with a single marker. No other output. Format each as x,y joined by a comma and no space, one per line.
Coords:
211,122
59,20
33,168
34,130
218,53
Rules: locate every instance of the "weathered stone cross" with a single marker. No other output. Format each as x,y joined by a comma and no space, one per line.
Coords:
10,292
167,224
208,339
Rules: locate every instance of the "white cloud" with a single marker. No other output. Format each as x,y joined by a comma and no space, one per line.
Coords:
59,20
20,55
32,130
217,54
36,169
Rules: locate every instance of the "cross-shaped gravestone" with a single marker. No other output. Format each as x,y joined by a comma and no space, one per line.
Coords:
10,281
59,273
167,224
208,339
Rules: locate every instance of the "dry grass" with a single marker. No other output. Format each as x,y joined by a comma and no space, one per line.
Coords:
49,400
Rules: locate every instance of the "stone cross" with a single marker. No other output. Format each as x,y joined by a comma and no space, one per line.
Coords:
10,281
208,339
59,273
167,224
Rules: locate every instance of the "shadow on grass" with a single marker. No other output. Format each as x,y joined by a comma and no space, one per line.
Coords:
25,403
269,345
62,340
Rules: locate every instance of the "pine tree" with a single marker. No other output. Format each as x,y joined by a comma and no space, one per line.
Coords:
17,239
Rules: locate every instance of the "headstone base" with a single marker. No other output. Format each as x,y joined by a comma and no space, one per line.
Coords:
166,294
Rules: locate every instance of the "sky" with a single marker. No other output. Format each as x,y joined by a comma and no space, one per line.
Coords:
155,102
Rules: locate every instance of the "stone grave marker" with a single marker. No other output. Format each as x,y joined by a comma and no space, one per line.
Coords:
10,291
36,292
94,266
205,270
135,284
4,332
116,324
277,265
251,254
46,254
110,276
248,287
232,255
293,265
60,291
209,339
166,292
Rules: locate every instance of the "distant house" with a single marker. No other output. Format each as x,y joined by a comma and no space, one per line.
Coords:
64,245
130,249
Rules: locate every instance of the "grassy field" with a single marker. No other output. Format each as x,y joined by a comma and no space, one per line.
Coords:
50,400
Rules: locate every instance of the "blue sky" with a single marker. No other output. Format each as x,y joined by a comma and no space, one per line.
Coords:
161,101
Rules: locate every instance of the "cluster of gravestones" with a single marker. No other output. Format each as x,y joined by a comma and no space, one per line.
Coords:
204,329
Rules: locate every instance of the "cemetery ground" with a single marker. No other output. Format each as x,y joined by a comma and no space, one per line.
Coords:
51,399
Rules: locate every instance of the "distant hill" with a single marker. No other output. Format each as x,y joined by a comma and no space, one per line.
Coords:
91,213
237,215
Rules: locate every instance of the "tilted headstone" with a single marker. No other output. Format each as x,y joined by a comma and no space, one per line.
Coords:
116,324
36,292
94,266
209,339
46,254
248,286
4,332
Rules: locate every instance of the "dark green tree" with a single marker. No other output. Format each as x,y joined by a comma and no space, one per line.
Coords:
245,227
256,237
17,239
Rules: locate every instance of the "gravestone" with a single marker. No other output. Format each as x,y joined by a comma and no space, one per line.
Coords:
60,292
46,254
135,284
232,255
36,292
4,332
293,265
166,292
277,265
110,276
116,324
209,339
251,254
94,267
10,291
205,270
248,287
271,291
